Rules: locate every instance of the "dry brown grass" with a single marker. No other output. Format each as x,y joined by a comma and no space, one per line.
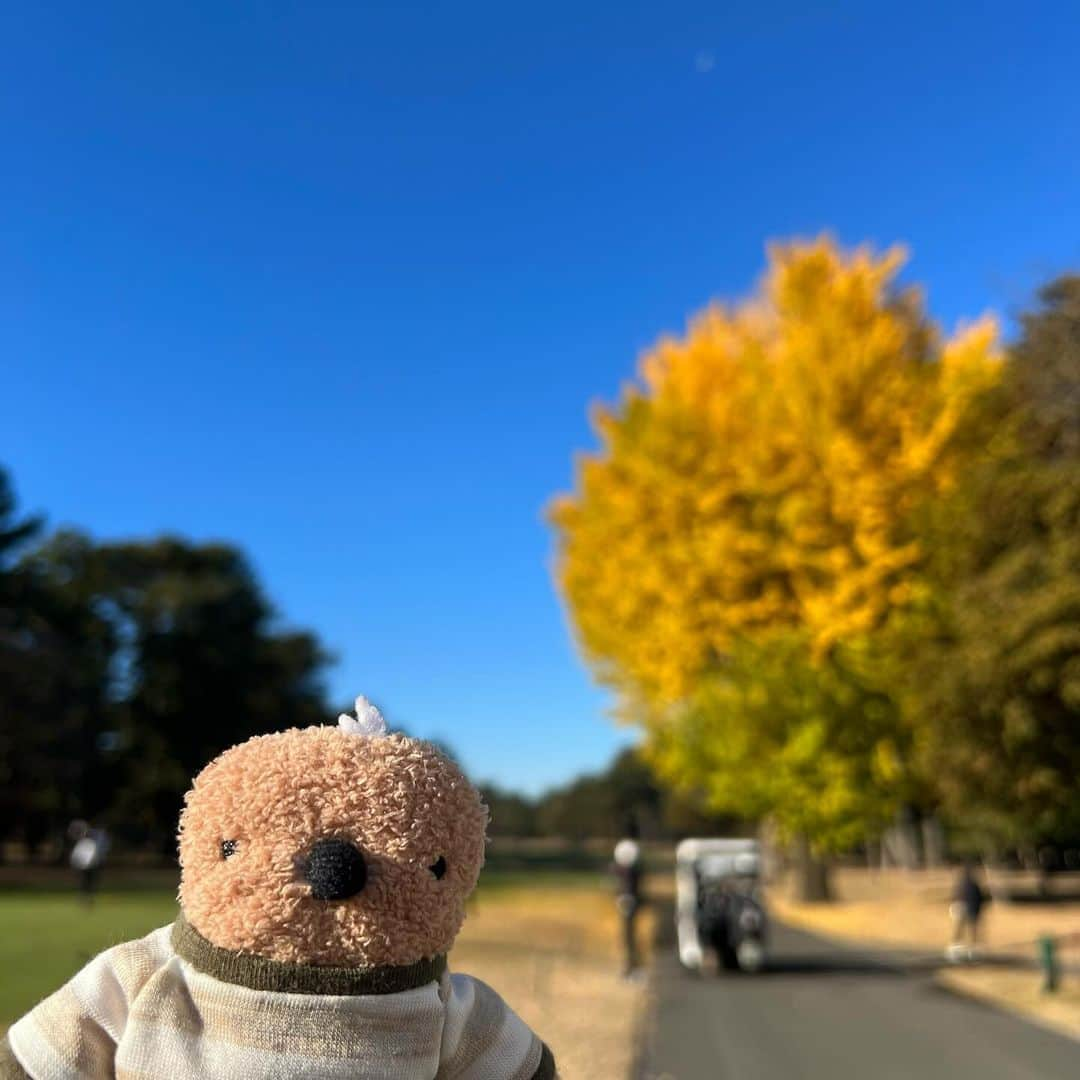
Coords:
552,952
1020,991
905,909
910,909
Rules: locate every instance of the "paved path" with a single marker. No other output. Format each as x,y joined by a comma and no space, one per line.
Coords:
821,1011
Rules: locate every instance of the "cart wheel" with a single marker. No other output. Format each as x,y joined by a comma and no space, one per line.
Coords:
751,956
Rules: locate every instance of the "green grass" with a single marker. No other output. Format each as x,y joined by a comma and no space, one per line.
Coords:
502,880
47,933
45,937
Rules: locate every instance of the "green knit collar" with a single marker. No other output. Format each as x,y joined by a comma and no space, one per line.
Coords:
260,973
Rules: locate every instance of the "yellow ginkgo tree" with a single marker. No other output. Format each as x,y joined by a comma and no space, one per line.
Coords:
758,481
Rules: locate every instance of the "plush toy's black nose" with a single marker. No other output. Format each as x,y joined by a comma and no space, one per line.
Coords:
335,869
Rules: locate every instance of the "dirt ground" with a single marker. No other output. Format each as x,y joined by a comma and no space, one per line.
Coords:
553,954
910,910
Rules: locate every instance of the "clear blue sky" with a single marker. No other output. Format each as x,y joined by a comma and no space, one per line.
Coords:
338,282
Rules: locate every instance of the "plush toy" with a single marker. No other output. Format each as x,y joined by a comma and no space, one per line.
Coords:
324,873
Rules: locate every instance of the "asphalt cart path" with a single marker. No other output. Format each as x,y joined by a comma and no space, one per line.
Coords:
819,1010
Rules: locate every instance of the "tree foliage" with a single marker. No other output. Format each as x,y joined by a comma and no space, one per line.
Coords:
816,746
761,476
994,663
758,486
604,804
125,667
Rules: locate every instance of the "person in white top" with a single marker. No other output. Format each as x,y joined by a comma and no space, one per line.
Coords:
629,872
88,856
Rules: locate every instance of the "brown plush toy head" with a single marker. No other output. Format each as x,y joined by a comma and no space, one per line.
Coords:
342,847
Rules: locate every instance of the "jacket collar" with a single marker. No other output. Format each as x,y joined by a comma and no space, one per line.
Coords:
261,973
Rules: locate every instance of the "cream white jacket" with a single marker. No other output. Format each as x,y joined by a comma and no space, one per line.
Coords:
144,1011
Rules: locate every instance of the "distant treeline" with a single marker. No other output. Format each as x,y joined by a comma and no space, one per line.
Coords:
625,796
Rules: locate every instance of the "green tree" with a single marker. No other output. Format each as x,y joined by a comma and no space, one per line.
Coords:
815,747
193,662
578,811
124,668
207,667
512,815
55,653
24,675
994,661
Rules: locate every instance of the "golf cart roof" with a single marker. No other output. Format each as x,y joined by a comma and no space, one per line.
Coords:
723,856
692,848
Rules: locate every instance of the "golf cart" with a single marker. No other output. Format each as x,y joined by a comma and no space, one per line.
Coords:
719,905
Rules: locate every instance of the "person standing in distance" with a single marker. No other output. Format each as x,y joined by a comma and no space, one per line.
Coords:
88,856
629,873
969,899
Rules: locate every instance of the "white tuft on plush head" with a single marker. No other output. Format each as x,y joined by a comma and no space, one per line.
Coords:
367,721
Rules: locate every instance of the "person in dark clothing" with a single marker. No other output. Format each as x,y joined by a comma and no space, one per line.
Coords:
629,873
969,899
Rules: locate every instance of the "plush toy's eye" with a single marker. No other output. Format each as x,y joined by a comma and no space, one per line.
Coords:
438,867
228,847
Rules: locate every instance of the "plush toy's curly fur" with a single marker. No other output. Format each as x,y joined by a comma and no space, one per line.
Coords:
399,800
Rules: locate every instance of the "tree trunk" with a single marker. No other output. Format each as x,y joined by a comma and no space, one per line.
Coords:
811,882
900,842
873,855
933,842
772,858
